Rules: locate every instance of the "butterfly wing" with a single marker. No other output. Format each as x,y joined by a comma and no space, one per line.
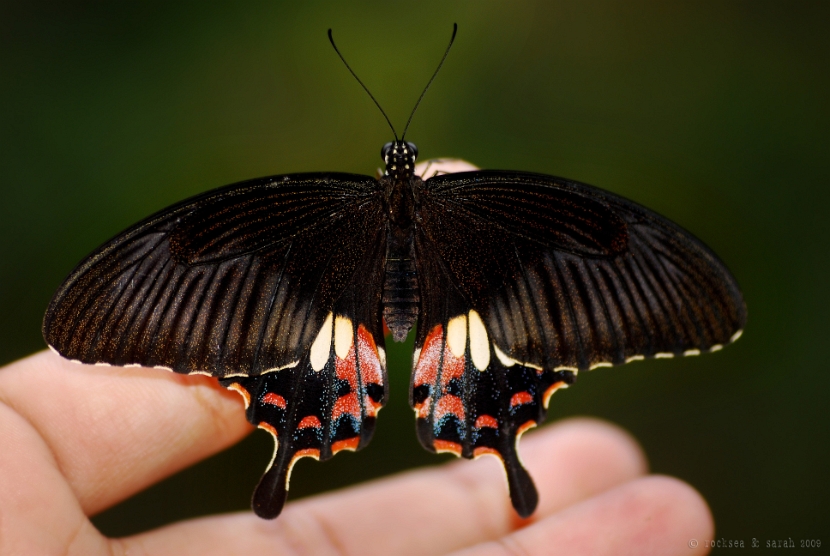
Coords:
546,277
272,285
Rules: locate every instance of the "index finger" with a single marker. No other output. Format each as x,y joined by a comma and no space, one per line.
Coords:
114,431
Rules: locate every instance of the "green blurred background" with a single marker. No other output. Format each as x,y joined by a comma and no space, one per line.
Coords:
715,114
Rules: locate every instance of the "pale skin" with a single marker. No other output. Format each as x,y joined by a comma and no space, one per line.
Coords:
77,439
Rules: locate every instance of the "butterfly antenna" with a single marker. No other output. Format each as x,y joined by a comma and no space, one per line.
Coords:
452,39
331,40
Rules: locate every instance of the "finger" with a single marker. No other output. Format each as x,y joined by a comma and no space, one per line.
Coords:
653,515
425,512
114,431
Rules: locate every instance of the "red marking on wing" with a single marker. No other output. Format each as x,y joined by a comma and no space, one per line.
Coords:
450,405
427,367
386,331
370,369
309,421
348,444
447,446
346,369
423,408
274,399
372,407
525,427
520,398
482,450
347,404
453,367
486,421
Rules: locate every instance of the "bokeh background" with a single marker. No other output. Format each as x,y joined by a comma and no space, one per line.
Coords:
715,114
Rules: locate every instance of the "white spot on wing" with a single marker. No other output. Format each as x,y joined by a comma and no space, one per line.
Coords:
736,335
634,358
322,345
457,335
479,344
343,336
382,357
689,352
663,355
716,347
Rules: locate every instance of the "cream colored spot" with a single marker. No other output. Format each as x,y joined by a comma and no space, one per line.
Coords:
288,366
457,335
382,357
415,357
634,358
689,352
322,345
663,355
574,370
600,364
736,335
505,359
716,347
343,336
479,344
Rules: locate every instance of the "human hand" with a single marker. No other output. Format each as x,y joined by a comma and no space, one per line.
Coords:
79,439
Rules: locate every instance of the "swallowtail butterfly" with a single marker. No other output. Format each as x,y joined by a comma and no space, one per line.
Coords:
280,288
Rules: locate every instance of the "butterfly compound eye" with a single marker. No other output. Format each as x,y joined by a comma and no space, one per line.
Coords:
413,149
384,152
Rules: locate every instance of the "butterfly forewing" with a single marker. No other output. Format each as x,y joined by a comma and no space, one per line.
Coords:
234,282
567,275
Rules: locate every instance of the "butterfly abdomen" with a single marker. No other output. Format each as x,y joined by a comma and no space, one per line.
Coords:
401,294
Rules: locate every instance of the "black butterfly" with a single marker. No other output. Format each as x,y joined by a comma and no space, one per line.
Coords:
279,287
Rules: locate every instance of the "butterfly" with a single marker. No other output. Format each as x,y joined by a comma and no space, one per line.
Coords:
280,287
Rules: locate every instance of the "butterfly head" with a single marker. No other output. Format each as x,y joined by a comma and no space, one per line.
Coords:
399,158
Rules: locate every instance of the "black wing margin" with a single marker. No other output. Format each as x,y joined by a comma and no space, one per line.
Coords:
527,279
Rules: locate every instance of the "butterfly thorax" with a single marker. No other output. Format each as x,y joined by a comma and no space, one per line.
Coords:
401,295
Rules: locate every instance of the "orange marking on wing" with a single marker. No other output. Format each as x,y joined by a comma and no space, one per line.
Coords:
386,331
486,421
551,389
447,446
484,450
246,397
520,398
348,444
346,404
427,368
372,407
309,421
274,399
305,453
266,427
450,405
370,368
528,425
